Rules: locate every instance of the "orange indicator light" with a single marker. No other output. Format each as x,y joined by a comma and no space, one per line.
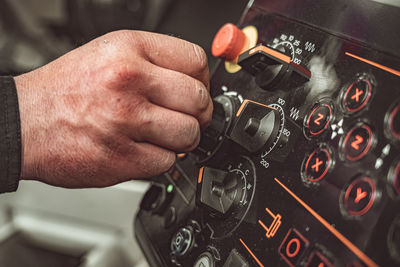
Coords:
200,175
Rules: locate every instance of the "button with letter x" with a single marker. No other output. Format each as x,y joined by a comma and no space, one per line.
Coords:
357,142
357,95
359,196
317,165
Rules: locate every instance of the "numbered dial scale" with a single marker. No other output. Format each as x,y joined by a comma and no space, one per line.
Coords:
299,51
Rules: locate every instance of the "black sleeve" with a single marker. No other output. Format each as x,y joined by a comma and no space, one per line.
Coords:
10,136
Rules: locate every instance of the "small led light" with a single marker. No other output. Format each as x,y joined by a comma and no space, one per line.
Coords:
170,188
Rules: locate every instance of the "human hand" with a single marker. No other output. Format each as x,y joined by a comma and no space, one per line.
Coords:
115,109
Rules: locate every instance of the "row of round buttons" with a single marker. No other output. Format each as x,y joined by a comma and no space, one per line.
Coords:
354,98
360,194
355,145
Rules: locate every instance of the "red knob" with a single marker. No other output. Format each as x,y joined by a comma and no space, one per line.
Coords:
229,42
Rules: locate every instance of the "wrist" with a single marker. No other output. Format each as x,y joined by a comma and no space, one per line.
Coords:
23,85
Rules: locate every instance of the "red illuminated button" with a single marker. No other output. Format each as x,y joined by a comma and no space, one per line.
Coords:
357,95
229,42
394,178
394,121
359,196
293,247
317,165
316,259
319,119
358,142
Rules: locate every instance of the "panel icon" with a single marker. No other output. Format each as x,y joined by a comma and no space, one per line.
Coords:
274,226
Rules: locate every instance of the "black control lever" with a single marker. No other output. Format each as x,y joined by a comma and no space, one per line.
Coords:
270,67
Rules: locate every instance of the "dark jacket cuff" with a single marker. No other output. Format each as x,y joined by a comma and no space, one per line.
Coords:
10,136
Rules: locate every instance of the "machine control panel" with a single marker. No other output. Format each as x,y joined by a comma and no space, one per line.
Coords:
300,165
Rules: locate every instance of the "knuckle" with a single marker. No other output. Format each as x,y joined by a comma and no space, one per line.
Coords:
192,135
208,115
200,58
154,164
203,97
167,161
119,37
122,76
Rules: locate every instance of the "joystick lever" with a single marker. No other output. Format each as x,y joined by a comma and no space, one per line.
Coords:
270,66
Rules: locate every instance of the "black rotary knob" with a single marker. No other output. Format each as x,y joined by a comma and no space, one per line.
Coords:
257,126
213,137
219,190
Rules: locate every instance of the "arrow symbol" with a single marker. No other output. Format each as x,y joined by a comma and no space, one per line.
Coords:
360,195
317,120
356,144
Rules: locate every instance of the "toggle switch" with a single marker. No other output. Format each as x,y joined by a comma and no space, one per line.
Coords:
270,66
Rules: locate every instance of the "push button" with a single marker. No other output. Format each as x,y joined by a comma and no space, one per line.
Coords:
229,42
394,178
316,259
205,260
182,241
317,165
357,95
358,142
157,198
359,196
319,119
293,247
394,121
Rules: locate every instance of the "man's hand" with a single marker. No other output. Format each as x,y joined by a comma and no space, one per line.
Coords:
115,109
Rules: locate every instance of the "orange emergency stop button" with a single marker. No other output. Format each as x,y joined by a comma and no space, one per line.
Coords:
228,43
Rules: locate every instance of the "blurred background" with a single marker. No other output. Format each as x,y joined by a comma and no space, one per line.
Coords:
33,33
45,226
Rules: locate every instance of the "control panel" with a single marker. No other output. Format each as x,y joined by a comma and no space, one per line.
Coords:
300,165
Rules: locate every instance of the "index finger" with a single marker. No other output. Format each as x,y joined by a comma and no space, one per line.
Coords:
175,54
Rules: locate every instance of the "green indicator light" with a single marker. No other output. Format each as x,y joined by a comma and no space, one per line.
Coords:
170,188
